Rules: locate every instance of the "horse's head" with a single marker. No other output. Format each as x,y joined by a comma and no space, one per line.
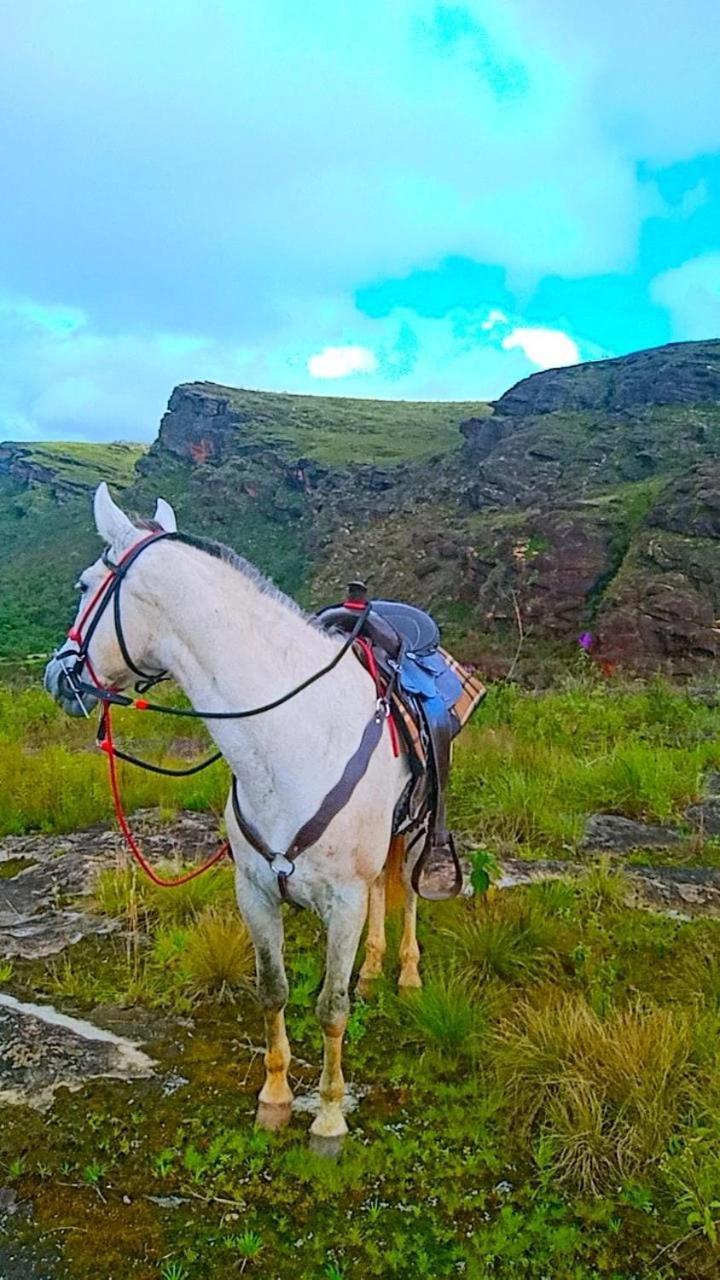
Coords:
95,653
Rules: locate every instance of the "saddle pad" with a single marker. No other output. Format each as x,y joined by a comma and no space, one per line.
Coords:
472,693
473,690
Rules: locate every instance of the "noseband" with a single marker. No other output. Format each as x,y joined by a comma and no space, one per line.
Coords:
107,592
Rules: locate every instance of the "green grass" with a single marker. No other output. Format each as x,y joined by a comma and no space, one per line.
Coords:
559,1119
530,768
527,771
55,780
80,463
340,430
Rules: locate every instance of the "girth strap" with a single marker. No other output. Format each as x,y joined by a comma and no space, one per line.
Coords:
283,864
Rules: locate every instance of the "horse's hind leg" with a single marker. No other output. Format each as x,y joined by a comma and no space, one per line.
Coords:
345,921
264,920
375,941
409,949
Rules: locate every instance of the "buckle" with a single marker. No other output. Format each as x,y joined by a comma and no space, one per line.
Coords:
382,709
71,675
281,865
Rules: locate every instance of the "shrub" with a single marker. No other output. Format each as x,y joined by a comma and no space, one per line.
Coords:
218,953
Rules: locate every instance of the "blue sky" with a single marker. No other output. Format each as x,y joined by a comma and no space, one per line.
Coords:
393,198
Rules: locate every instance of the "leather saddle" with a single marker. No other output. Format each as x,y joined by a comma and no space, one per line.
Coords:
405,642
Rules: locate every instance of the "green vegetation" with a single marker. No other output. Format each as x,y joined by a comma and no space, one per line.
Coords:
337,430
530,767
527,770
83,464
558,1117
546,1106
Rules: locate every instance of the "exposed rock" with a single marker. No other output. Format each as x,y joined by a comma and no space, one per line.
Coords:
45,933
610,832
8,1202
690,504
711,784
42,1051
35,919
686,891
679,373
679,891
706,816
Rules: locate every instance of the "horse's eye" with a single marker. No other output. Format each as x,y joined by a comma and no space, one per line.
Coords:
81,586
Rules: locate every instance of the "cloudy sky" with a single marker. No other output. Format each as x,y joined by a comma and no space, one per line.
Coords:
388,198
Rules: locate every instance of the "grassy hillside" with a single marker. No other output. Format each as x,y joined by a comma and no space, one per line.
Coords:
47,536
335,430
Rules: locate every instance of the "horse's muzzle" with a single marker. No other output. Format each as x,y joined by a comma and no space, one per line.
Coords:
59,683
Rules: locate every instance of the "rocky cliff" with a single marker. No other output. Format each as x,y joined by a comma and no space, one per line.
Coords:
585,499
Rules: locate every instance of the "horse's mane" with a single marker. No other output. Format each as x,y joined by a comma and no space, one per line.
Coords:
220,551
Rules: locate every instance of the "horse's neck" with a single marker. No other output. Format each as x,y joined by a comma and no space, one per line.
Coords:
230,645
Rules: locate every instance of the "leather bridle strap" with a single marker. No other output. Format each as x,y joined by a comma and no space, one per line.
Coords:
283,864
110,590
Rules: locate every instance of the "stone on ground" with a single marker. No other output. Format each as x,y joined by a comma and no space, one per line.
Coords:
608,832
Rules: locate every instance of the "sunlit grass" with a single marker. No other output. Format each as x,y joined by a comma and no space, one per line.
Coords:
57,790
530,768
122,892
607,1092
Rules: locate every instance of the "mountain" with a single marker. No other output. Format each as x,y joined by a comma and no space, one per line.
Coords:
585,498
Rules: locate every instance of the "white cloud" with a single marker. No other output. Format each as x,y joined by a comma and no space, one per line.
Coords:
494,318
691,293
89,385
546,348
341,362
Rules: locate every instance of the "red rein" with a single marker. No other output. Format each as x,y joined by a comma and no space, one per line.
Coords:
224,850
107,746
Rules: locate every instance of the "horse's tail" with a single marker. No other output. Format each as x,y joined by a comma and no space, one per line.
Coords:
394,881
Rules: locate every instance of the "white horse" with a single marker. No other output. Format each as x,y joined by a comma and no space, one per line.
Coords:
231,640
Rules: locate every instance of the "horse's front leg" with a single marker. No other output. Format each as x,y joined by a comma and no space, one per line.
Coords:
263,917
345,921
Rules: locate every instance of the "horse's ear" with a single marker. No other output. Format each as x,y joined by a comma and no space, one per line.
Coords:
112,524
165,516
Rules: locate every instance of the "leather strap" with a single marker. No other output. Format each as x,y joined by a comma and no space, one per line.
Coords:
283,864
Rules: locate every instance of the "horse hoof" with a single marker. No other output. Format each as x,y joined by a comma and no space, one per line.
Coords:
273,1115
409,983
328,1148
329,1122
365,987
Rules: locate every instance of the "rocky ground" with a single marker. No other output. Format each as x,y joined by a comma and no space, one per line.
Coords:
44,911
45,888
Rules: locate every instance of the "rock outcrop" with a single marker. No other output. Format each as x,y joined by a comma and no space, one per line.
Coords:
679,373
587,499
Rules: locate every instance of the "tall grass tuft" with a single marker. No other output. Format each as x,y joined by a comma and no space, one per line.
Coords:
121,890
505,937
218,953
446,1014
606,1092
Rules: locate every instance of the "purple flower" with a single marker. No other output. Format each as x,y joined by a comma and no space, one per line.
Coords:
586,640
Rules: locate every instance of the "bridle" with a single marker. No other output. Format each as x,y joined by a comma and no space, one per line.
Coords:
81,635
109,591
84,629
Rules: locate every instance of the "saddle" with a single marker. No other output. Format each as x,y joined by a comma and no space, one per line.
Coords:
432,697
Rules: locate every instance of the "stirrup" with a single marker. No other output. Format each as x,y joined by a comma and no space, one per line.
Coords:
437,874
